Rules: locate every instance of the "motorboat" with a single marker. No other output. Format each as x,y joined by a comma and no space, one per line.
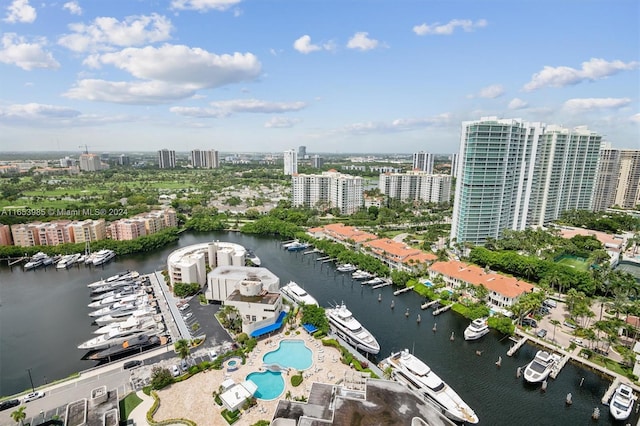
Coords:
297,294
125,289
374,281
116,285
130,322
476,329
36,261
118,336
122,276
139,342
621,404
411,371
347,267
68,260
361,275
540,367
252,258
119,307
297,246
124,314
103,256
349,329
122,297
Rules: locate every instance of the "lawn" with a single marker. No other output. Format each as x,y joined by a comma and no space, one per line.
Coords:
127,405
573,262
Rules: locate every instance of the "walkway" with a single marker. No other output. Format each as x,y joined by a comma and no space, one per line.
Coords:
174,321
139,414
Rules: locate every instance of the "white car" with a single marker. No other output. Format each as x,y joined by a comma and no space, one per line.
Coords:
184,307
175,370
187,315
33,396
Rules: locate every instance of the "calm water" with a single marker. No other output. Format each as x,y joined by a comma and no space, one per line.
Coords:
43,317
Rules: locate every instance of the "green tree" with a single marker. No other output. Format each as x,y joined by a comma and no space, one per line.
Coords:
182,348
19,415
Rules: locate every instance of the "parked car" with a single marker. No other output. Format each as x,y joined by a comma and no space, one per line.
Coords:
33,396
213,355
529,322
184,365
541,333
175,370
187,315
550,303
577,341
570,325
131,364
543,310
9,403
184,307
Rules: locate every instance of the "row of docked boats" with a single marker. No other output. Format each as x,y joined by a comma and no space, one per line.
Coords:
125,312
66,261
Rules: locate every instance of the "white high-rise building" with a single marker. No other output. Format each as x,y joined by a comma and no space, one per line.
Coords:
90,162
513,174
328,190
166,159
205,159
290,162
423,161
454,164
413,186
618,181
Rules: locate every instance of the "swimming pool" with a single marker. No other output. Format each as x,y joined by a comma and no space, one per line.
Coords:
270,384
290,353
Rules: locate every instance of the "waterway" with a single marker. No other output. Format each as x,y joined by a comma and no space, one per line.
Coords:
43,317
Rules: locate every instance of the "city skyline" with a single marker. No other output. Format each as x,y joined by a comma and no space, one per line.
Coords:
334,77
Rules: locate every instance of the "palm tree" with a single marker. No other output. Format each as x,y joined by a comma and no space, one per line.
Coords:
19,415
387,372
182,348
555,322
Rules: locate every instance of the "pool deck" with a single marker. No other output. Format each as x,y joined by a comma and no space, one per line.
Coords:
193,398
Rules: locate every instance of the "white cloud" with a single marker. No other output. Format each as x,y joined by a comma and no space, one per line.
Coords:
517,103
489,92
105,32
26,55
398,125
137,92
35,110
281,122
594,69
73,7
635,117
47,116
226,108
304,45
361,41
586,104
20,11
204,5
447,29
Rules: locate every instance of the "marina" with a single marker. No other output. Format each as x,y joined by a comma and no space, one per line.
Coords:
495,394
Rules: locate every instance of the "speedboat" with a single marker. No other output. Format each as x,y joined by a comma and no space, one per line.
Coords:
476,329
103,256
410,370
374,281
540,367
252,258
348,328
297,294
297,246
621,403
361,275
347,267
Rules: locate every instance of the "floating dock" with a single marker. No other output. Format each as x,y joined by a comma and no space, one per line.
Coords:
428,304
402,290
445,308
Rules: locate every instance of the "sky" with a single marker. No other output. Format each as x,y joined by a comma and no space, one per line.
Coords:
337,76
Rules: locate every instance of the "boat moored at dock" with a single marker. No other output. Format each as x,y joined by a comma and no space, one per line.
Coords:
540,367
297,294
476,329
410,370
622,401
348,328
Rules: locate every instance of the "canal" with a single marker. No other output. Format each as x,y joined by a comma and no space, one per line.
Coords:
43,317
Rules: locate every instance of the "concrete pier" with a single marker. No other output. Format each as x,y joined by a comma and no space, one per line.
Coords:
402,290
609,393
517,346
428,304
445,308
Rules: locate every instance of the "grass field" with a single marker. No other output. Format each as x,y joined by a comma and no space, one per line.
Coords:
573,262
127,405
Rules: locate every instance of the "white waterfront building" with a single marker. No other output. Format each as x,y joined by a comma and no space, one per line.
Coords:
423,161
330,189
189,264
416,185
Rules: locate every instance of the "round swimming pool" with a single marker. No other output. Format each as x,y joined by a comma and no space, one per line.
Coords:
292,354
232,363
270,384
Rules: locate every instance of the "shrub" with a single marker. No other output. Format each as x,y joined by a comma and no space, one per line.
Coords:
296,380
230,416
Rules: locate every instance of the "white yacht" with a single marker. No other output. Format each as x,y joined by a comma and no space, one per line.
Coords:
297,294
476,329
410,370
347,267
361,275
621,404
129,323
122,297
124,315
117,336
103,256
374,281
252,258
36,261
119,307
68,261
348,328
122,276
540,367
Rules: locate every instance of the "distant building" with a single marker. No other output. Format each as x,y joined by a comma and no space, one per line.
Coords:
88,230
123,160
205,159
618,182
414,186
423,161
90,162
328,190
317,162
104,157
302,151
142,224
127,229
166,159
25,235
514,174
454,165
67,162
290,162
54,233
5,235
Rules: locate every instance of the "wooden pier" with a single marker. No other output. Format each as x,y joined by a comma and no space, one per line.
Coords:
428,304
556,368
16,261
384,284
513,349
445,308
402,290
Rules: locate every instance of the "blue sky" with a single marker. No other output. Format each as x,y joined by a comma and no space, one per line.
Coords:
336,76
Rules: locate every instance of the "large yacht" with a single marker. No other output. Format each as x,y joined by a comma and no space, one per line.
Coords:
348,328
124,315
540,367
36,261
68,261
297,294
122,276
103,256
139,342
621,403
117,336
123,297
410,370
119,307
476,329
